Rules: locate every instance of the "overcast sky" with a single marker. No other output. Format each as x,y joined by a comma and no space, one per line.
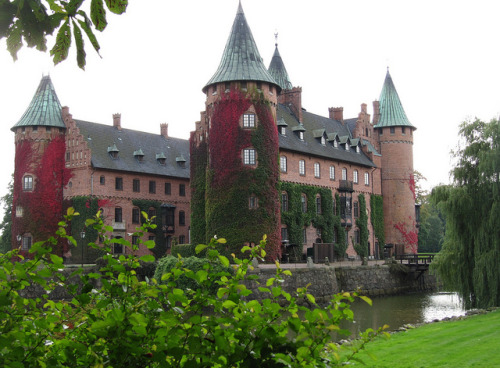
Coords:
443,58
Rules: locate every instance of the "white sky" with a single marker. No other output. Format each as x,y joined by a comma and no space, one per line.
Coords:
443,58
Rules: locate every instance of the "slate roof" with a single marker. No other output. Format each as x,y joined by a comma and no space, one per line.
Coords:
100,138
278,71
241,59
312,123
44,109
391,109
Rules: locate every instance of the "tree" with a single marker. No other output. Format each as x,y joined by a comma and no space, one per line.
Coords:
6,225
432,227
32,21
468,262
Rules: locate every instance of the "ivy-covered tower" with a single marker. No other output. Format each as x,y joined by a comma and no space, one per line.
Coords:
40,172
234,150
395,140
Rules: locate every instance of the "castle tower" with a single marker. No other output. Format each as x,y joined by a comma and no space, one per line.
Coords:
234,150
40,173
395,139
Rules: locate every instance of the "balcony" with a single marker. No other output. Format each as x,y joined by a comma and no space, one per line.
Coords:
119,226
346,186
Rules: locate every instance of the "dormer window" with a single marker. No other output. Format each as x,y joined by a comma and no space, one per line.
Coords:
160,157
113,151
139,155
335,144
323,140
358,150
282,130
300,131
281,126
347,146
301,135
181,161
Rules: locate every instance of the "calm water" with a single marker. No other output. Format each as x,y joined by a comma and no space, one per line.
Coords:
399,310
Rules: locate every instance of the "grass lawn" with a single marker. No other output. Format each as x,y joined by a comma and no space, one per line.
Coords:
472,342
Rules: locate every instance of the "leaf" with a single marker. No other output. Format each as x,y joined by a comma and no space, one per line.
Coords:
63,42
311,298
98,14
221,241
224,261
86,26
117,6
366,299
14,42
200,247
228,304
147,258
80,50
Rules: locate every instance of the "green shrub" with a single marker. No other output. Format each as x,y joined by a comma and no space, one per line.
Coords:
132,323
194,264
184,250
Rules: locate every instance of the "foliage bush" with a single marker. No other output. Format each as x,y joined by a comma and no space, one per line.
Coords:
184,250
132,323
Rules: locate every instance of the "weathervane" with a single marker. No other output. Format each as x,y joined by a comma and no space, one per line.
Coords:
276,38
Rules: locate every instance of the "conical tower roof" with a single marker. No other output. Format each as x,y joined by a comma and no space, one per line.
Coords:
278,71
241,59
44,109
391,109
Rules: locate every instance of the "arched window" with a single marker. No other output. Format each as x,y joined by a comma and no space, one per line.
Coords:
317,170
302,167
332,172
28,183
303,199
344,173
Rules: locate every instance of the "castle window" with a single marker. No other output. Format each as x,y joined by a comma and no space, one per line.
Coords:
19,211
332,172
68,156
160,158
248,120
253,202
151,213
381,131
367,178
302,167
301,136
284,234
303,202
182,190
28,183
284,202
335,143
393,130
26,242
227,86
323,141
136,185
136,215
403,130
214,89
282,130
168,188
304,235
152,186
118,214
118,248
182,218
344,173
283,164
347,146
249,156
243,85
182,239
259,85
358,150
135,240
119,183
102,180
316,170
355,209
355,176
318,204
35,128
47,129
357,237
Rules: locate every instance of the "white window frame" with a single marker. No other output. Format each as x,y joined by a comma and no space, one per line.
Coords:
332,172
302,167
344,173
367,178
283,166
335,143
317,170
323,140
355,177
26,242
249,120
301,136
249,156
28,183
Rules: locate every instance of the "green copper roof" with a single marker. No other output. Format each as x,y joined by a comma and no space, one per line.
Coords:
44,109
278,71
241,60
391,110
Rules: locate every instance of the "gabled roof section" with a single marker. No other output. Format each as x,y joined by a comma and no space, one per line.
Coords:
391,109
104,139
44,109
241,59
278,71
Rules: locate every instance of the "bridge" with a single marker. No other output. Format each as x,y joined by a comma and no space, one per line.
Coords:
417,263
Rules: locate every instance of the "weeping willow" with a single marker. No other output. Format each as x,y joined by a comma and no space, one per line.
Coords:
469,260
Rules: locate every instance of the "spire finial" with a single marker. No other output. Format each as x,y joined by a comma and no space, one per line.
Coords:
276,38
240,8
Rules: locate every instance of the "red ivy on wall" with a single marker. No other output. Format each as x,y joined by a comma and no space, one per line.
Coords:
43,205
410,235
412,184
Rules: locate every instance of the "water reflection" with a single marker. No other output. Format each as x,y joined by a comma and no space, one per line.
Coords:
399,310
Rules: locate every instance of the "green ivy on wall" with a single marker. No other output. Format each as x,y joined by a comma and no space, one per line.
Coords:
362,224
341,244
144,205
199,155
377,219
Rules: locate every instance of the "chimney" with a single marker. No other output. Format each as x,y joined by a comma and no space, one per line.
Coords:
164,130
117,119
293,99
336,113
376,112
